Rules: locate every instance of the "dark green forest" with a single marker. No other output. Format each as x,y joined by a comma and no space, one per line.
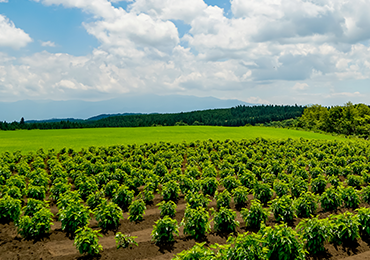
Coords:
235,116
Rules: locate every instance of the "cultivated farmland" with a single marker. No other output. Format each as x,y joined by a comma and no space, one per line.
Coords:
259,192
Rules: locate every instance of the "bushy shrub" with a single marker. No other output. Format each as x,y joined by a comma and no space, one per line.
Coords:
318,184
108,215
350,197
256,215
344,228
262,192
167,208
195,200
283,208
123,197
10,208
230,183
136,210
35,226
196,222
87,241
223,199
363,217
331,199
281,188
306,205
225,221
170,191
74,216
209,185
240,196
354,181
164,230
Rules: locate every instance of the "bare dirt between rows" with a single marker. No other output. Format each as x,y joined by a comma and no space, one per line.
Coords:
57,245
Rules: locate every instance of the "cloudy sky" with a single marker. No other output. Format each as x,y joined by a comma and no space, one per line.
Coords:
258,51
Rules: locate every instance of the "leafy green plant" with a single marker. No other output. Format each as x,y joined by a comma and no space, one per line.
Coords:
331,199
248,179
10,208
33,206
254,216
363,217
188,184
240,196
351,197
58,188
170,191
36,192
67,198
344,228
224,220
196,222
88,187
13,191
281,188
196,200
230,183
306,205
315,232
354,181
167,208
283,208
197,252
136,210
74,216
223,199
36,226
365,194
283,243
123,197
95,199
209,185
318,184
108,215
87,241
125,241
164,230
246,247
111,188
334,181
262,192
298,186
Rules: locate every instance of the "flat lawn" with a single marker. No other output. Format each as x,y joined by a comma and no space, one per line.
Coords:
32,140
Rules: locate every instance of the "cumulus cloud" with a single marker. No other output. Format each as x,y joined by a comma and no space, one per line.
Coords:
48,44
10,36
259,51
3,1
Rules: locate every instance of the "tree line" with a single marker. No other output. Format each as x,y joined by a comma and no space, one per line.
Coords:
236,116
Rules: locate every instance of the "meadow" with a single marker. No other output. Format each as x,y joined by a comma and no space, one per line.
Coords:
32,140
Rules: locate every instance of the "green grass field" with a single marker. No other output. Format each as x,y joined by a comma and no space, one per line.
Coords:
32,140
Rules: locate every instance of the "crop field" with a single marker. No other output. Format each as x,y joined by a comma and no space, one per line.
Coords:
242,198
33,140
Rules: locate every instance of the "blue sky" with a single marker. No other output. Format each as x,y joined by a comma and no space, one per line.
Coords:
258,51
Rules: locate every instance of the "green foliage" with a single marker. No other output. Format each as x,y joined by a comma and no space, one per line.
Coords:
363,217
248,179
10,208
344,228
240,196
225,221
246,247
170,191
209,185
195,200
136,210
164,230
167,208
188,184
209,171
88,187
298,186
255,215
354,180
68,198
87,241
351,197
197,252
34,205
36,226
36,192
306,205
108,215
283,243
283,208
318,184
111,188
281,188
315,232
125,241
196,222
160,169
223,199
334,181
95,199
230,183
74,216
331,199
58,189
123,197
365,194
262,192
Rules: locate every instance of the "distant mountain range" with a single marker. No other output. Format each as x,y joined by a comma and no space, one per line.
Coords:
75,110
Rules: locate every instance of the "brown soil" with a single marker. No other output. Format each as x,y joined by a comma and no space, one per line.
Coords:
57,245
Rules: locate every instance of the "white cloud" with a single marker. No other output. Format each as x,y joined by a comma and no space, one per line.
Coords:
48,44
300,86
10,36
3,1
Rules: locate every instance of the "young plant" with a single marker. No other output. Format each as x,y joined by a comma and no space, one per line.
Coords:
306,205
196,200
344,228
331,199
316,232
334,181
125,241
10,209
298,186
363,217
36,192
74,216
223,199
281,188
170,191
318,184
164,230
225,220
246,247
167,208
230,183
354,181
58,189
36,226
283,209
351,197
262,192
33,206
87,241
136,210
283,243
199,251
188,184
209,185
123,197
365,194
248,179
255,215
108,215
240,196
196,222
95,199
111,188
